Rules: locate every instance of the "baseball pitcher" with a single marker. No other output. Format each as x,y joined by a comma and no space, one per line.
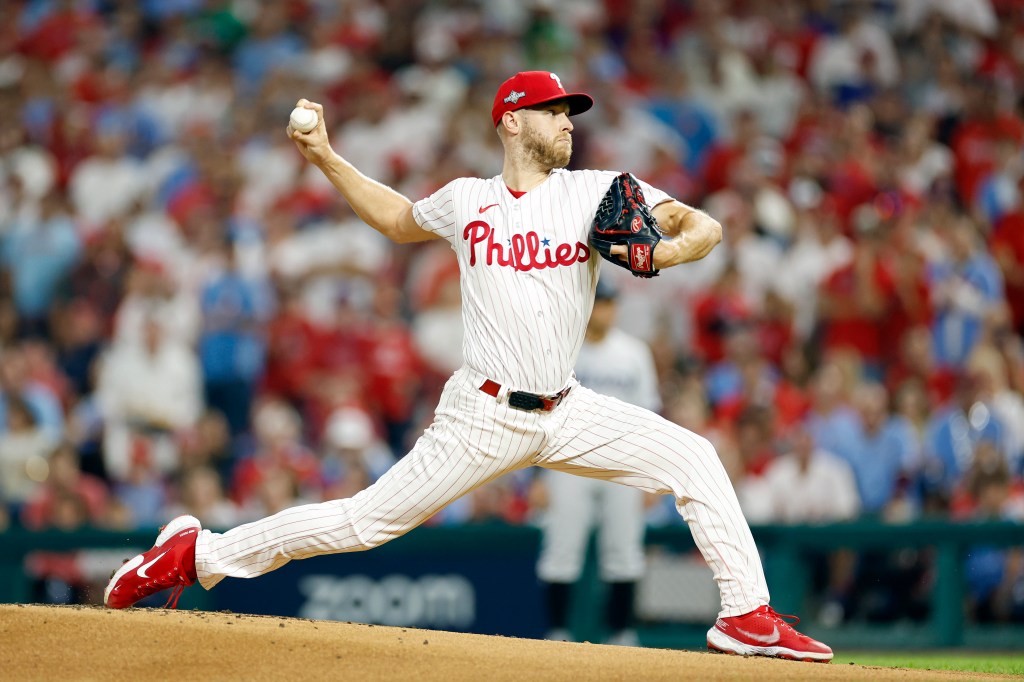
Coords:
526,242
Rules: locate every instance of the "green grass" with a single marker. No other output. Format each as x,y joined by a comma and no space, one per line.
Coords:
999,663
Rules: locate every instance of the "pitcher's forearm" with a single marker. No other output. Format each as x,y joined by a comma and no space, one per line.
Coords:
684,248
375,203
693,235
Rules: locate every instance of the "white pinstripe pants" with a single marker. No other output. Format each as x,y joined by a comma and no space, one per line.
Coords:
475,439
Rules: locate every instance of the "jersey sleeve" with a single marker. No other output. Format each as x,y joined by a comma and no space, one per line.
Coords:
436,213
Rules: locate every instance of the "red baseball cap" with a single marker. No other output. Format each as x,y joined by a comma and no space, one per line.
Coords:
531,88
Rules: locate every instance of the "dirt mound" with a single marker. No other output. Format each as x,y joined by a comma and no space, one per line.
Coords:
92,643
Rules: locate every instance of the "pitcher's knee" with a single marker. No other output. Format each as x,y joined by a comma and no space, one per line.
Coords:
694,462
375,534
370,539
710,459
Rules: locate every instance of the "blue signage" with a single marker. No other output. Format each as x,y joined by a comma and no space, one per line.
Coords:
491,593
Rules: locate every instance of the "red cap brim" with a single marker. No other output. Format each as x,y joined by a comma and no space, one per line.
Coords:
578,103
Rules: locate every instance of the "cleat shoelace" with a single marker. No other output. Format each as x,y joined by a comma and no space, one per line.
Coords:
783,617
172,601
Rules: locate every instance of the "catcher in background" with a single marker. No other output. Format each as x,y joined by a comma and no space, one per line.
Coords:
528,272
622,366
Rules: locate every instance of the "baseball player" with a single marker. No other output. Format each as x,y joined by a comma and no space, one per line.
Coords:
619,365
527,271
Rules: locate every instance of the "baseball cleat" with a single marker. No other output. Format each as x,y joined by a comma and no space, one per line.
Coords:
169,564
762,632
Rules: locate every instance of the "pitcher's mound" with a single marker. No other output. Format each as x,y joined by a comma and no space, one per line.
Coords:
93,643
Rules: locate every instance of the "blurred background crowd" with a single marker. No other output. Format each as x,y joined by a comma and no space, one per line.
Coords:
192,320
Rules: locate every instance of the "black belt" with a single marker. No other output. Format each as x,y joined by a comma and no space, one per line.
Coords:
528,402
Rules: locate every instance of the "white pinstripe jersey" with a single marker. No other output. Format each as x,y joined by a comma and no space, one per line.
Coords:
527,273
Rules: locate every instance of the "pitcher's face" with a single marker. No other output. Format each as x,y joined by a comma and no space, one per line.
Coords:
547,134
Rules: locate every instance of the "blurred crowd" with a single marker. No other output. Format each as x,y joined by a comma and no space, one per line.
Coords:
192,320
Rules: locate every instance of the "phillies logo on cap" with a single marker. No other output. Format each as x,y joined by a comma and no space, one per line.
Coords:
536,88
513,97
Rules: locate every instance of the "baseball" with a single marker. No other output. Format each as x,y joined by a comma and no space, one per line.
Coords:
303,119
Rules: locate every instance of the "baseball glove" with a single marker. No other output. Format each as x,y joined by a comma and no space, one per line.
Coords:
623,218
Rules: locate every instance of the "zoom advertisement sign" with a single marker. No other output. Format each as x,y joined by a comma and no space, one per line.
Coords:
490,591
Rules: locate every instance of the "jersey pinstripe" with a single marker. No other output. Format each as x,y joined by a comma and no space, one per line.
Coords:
528,275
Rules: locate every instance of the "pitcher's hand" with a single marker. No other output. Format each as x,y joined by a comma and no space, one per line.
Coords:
314,145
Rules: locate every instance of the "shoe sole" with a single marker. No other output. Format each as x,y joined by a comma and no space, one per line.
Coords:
173,527
720,642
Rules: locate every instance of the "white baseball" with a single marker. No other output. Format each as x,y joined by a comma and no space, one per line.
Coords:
303,119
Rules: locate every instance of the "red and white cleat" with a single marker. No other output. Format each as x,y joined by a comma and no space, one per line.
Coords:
762,632
170,563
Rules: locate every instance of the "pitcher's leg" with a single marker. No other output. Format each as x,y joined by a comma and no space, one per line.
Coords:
724,538
609,439
442,467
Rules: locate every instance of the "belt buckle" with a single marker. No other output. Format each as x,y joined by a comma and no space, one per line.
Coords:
528,402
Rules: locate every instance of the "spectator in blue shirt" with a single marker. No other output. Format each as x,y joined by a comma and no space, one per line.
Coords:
231,347
39,253
675,105
269,46
954,432
884,449
994,575
41,400
832,422
966,287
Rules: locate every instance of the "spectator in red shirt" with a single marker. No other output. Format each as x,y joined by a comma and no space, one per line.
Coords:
1007,245
278,448
916,362
755,439
855,299
392,366
975,139
291,339
791,390
910,305
59,32
723,307
774,326
68,497
725,154
68,500
1000,60
851,178
792,41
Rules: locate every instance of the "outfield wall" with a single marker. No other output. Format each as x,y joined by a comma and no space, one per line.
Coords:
481,579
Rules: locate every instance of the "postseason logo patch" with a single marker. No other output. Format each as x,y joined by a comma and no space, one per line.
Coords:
514,97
